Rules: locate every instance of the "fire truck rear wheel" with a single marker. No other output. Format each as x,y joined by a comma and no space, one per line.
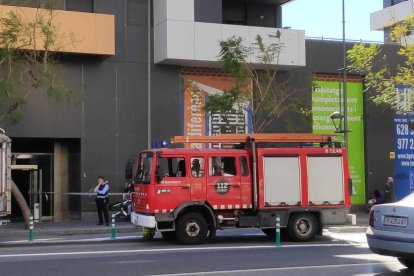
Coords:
191,228
302,227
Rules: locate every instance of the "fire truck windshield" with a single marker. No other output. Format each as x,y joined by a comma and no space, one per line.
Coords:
144,168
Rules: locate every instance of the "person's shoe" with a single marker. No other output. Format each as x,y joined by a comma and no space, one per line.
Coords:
100,223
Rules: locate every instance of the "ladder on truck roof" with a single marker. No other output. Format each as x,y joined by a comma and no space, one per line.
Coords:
256,137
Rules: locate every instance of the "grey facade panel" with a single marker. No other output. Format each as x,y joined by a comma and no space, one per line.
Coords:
136,12
166,101
100,98
136,44
34,119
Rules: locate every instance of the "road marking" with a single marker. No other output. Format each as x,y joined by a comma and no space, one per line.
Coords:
134,262
367,257
167,250
269,269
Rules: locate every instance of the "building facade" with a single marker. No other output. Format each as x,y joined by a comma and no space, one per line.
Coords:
131,92
394,11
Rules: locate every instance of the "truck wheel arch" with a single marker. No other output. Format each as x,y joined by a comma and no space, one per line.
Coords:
199,207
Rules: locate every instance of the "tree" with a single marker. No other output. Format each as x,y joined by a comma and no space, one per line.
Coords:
27,60
382,78
270,94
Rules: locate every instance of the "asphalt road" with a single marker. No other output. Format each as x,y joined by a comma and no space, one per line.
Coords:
232,253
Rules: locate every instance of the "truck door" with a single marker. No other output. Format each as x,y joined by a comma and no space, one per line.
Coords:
173,186
246,182
223,182
198,178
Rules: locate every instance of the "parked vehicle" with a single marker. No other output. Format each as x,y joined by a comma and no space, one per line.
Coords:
391,230
188,194
5,174
123,208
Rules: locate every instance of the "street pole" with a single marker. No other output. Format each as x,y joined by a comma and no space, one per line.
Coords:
345,94
149,60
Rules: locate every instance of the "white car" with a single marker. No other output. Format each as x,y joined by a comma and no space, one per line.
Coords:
391,230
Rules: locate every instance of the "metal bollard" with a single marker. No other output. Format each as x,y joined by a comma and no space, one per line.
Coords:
31,229
278,243
113,232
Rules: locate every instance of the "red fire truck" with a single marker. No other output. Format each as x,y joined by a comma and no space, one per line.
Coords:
187,194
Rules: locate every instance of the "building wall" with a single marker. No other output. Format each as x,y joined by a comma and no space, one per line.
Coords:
109,111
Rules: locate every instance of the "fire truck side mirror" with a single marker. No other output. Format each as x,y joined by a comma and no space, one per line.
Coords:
158,174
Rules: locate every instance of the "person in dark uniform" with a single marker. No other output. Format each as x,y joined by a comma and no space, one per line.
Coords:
102,192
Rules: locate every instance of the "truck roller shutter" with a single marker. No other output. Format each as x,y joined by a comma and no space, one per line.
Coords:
325,180
282,180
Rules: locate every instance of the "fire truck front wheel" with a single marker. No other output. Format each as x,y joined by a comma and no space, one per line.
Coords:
191,228
302,227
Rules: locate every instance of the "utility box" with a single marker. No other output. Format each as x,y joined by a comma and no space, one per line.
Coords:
5,174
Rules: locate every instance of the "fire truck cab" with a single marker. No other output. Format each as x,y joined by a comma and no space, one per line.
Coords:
188,194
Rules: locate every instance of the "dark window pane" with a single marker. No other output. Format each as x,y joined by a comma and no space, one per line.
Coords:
79,5
234,12
172,167
21,3
223,166
197,166
244,166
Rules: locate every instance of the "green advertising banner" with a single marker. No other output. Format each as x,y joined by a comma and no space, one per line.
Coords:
325,101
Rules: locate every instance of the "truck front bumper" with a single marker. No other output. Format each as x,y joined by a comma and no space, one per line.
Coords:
143,220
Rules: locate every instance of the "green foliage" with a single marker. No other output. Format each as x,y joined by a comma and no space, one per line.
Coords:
27,63
266,89
380,76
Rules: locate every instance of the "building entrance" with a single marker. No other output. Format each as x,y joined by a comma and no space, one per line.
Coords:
32,174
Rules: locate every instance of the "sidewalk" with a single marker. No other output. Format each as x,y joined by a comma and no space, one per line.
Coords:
360,227
65,228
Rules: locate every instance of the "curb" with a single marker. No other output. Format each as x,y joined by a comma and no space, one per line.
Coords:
69,232
67,242
348,229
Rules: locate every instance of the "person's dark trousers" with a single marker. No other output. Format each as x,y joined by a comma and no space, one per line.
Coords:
102,208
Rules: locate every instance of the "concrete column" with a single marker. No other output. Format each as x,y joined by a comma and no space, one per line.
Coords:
61,182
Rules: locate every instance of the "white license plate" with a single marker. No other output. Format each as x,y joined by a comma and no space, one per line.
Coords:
395,221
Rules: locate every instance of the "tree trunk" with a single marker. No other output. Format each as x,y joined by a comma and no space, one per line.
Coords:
22,203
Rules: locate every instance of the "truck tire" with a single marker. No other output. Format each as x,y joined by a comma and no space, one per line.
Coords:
168,236
409,263
302,227
191,228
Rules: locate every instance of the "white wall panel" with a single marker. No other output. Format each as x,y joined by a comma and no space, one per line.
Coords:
206,42
180,40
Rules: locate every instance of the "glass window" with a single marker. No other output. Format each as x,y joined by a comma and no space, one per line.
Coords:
244,167
223,166
22,3
198,165
172,166
144,168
